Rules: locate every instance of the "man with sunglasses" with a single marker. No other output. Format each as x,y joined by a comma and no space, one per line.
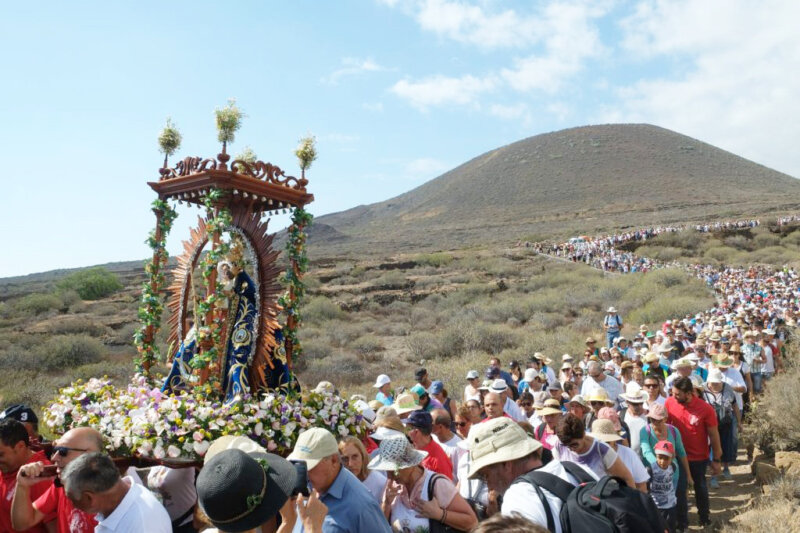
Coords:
27,511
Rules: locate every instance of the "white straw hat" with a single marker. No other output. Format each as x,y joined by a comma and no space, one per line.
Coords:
396,453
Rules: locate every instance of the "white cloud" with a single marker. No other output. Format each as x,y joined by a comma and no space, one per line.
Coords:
442,90
425,168
351,66
475,25
738,81
560,36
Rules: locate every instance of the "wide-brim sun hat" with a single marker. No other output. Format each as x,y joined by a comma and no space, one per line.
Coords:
657,411
598,394
651,358
496,441
239,491
603,430
383,433
723,362
715,376
396,453
405,403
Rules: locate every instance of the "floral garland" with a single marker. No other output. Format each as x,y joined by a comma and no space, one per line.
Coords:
151,307
219,219
293,299
141,421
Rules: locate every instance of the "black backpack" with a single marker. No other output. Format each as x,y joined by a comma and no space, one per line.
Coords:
606,505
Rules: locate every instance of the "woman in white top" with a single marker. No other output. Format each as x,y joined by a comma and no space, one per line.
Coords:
415,496
604,431
355,458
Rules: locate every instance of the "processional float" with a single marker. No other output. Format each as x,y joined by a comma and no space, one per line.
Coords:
232,327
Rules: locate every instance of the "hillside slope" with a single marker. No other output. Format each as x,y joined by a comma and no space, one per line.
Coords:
582,179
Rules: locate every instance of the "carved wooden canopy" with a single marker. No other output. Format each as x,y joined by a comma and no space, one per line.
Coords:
257,186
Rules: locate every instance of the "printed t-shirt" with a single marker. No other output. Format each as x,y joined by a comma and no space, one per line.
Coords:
598,458
437,460
8,485
70,519
693,421
662,486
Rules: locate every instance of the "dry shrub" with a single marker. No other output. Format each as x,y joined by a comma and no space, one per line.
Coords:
367,347
320,309
80,325
776,510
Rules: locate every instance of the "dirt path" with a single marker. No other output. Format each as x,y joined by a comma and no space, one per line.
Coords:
732,496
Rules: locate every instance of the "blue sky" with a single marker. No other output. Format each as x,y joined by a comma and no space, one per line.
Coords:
396,92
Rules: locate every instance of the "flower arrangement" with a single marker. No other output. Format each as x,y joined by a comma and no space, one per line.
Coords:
141,421
306,152
151,307
169,140
293,299
228,120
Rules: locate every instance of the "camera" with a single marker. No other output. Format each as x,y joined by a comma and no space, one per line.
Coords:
301,485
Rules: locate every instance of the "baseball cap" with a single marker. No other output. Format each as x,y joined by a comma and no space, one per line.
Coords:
21,413
419,373
492,372
664,447
472,374
419,419
436,387
419,390
382,380
530,374
314,445
497,440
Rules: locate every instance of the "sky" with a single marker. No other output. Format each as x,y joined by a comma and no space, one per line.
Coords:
395,91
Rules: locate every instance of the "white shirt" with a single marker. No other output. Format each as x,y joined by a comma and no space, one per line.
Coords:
635,424
471,488
376,483
634,463
453,452
138,511
769,366
522,498
733,378
611,385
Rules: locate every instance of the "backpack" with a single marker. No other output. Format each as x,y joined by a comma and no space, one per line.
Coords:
606,505
724,411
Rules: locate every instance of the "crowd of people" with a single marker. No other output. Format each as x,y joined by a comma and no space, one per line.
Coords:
658,411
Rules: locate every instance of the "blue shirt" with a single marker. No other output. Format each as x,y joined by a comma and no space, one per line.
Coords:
385,400
351,508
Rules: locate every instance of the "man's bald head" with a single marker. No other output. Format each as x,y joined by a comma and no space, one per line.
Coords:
493,405
84,438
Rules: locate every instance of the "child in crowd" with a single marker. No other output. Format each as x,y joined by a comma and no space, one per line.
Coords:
663,482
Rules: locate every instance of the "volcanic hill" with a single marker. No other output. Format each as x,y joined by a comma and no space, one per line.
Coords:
585,179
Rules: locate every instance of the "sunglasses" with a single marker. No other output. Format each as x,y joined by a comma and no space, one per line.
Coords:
63,451
526,404
651,385
461,424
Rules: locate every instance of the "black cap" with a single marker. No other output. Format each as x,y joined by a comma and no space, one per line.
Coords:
419,373
420,419
20,412
492,372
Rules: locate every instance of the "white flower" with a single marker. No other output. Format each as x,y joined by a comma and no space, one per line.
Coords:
200,448
173,451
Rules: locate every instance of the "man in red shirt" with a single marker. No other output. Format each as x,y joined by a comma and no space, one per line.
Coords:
14,453
420,426
29,509
697,422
